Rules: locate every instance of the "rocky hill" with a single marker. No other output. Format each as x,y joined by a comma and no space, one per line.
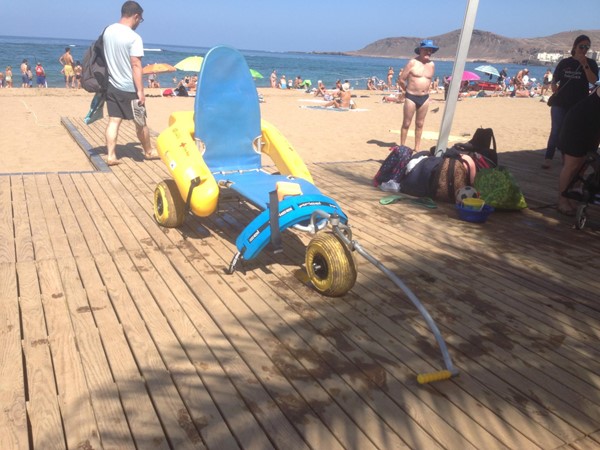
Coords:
485,46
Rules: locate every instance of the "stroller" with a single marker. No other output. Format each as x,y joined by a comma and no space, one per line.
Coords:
585,188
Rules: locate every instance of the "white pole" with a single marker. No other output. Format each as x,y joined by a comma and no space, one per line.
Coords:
457,72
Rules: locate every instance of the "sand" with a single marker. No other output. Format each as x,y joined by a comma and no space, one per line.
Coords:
33,139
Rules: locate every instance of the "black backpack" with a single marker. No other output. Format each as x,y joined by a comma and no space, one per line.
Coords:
94,77
484,143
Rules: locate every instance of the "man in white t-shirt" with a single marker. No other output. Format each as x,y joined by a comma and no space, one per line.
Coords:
123,49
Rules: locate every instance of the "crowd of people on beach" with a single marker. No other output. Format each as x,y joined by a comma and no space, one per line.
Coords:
71,71
7,78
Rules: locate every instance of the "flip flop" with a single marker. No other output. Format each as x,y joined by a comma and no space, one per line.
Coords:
392,199
152,156
425,202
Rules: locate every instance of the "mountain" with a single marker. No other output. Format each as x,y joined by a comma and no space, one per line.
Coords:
485,46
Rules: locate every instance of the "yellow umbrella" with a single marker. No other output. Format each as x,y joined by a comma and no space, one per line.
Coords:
158,68
190,64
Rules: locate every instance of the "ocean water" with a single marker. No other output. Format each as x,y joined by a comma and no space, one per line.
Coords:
327,68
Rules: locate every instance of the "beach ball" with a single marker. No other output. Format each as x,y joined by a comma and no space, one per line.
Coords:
466,192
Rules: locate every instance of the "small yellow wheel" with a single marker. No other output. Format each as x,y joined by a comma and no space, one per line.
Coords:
330,265
169,207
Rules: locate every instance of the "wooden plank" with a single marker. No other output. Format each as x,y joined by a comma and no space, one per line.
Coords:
141,417
23,242
591,442
51,212
77,219
13,419
169,404
112,424
92,153
42,406
42,243
77,245
7,237
76,410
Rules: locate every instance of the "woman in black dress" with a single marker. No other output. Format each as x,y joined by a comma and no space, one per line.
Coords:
580,134
570,83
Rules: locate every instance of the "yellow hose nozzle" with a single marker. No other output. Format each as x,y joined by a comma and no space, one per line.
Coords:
424,378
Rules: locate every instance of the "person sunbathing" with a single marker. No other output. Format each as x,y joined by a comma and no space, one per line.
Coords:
342,100
321,90
397,98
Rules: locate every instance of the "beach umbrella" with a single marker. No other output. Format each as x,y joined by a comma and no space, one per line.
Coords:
255,74
468,76
158,68
490,70
190,64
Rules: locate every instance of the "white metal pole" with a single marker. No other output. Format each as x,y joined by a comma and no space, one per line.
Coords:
457,72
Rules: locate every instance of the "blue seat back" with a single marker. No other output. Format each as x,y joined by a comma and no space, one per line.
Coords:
227,111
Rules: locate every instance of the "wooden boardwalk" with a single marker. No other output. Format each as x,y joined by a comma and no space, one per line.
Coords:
117,333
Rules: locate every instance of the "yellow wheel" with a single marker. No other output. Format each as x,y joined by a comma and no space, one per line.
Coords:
169,207
330,265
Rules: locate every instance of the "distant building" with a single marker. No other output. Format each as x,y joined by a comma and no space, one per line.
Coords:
553,58
549,58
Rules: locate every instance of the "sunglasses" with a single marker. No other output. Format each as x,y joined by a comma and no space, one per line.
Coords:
584,47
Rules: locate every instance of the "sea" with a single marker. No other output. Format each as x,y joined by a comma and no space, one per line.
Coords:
310,66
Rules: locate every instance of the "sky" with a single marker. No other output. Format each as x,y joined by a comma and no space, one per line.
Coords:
285,25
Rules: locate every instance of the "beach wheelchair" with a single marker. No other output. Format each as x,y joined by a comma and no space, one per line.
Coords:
218,147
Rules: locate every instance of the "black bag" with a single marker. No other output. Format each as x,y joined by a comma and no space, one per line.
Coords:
551,99
420,181
394,166
94,76
482,142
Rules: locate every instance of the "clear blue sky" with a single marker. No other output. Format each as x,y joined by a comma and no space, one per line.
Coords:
284,25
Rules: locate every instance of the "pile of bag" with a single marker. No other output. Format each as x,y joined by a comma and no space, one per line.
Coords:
473,163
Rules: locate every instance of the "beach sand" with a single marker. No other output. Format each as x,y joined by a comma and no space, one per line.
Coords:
34,140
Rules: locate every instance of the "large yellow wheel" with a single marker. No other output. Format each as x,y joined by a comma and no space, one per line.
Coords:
330,265
169,207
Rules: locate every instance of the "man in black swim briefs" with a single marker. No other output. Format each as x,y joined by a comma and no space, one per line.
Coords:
415,81
418,100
